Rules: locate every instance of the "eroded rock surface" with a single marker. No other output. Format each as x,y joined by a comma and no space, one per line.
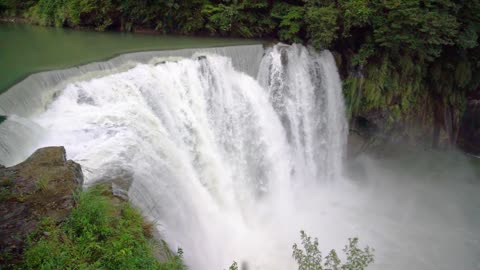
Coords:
40,187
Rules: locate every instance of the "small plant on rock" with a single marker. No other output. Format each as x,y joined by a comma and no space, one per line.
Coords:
42,183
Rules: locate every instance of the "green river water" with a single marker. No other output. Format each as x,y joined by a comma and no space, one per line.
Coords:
26,49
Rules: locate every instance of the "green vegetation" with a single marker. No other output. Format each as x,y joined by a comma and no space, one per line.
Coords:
309,257
5,189
42,182
99,234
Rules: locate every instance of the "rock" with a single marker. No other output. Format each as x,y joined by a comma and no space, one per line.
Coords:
76,169
40,187
468,139
48,156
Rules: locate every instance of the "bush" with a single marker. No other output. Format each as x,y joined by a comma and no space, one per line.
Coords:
97,235
309,256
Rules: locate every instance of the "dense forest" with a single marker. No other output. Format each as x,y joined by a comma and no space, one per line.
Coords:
409,65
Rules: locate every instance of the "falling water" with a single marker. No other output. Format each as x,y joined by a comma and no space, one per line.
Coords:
305,90
227,166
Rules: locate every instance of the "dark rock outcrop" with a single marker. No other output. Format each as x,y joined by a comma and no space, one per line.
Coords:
40,187
469,137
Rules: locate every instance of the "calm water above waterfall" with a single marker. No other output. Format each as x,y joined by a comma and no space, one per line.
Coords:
232,161
25,49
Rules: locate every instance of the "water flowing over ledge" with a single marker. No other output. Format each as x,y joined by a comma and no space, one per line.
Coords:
33,93
203,143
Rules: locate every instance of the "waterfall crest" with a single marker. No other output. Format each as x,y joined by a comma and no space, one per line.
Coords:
34,93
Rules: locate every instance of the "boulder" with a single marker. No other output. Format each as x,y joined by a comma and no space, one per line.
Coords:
39,188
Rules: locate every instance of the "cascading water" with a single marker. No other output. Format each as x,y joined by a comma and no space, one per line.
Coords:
232,168
305,90
205,146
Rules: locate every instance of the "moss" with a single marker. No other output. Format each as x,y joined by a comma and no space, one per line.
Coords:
101,232
6,189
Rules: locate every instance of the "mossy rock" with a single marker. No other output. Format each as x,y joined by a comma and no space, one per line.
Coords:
40,187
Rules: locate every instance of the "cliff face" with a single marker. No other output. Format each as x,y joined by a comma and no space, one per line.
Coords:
469,137
39,188
427,127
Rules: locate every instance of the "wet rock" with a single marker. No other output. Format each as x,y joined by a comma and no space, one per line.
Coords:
40,187
120,181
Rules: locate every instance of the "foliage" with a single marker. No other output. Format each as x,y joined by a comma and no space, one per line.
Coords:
42,182
290,21
74,13
97,235
322,25
238,18
14,7
234,266
309,257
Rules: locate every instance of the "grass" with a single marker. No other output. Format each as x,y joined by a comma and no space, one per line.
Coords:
42,182
99,234
5,189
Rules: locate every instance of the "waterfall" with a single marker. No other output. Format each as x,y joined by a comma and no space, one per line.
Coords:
217,159
34,94
305,89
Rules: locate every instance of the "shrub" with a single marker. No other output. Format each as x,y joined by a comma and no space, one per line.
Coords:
97,235
309,257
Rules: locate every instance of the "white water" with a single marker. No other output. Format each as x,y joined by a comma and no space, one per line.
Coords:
232,168
305,89
33,94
